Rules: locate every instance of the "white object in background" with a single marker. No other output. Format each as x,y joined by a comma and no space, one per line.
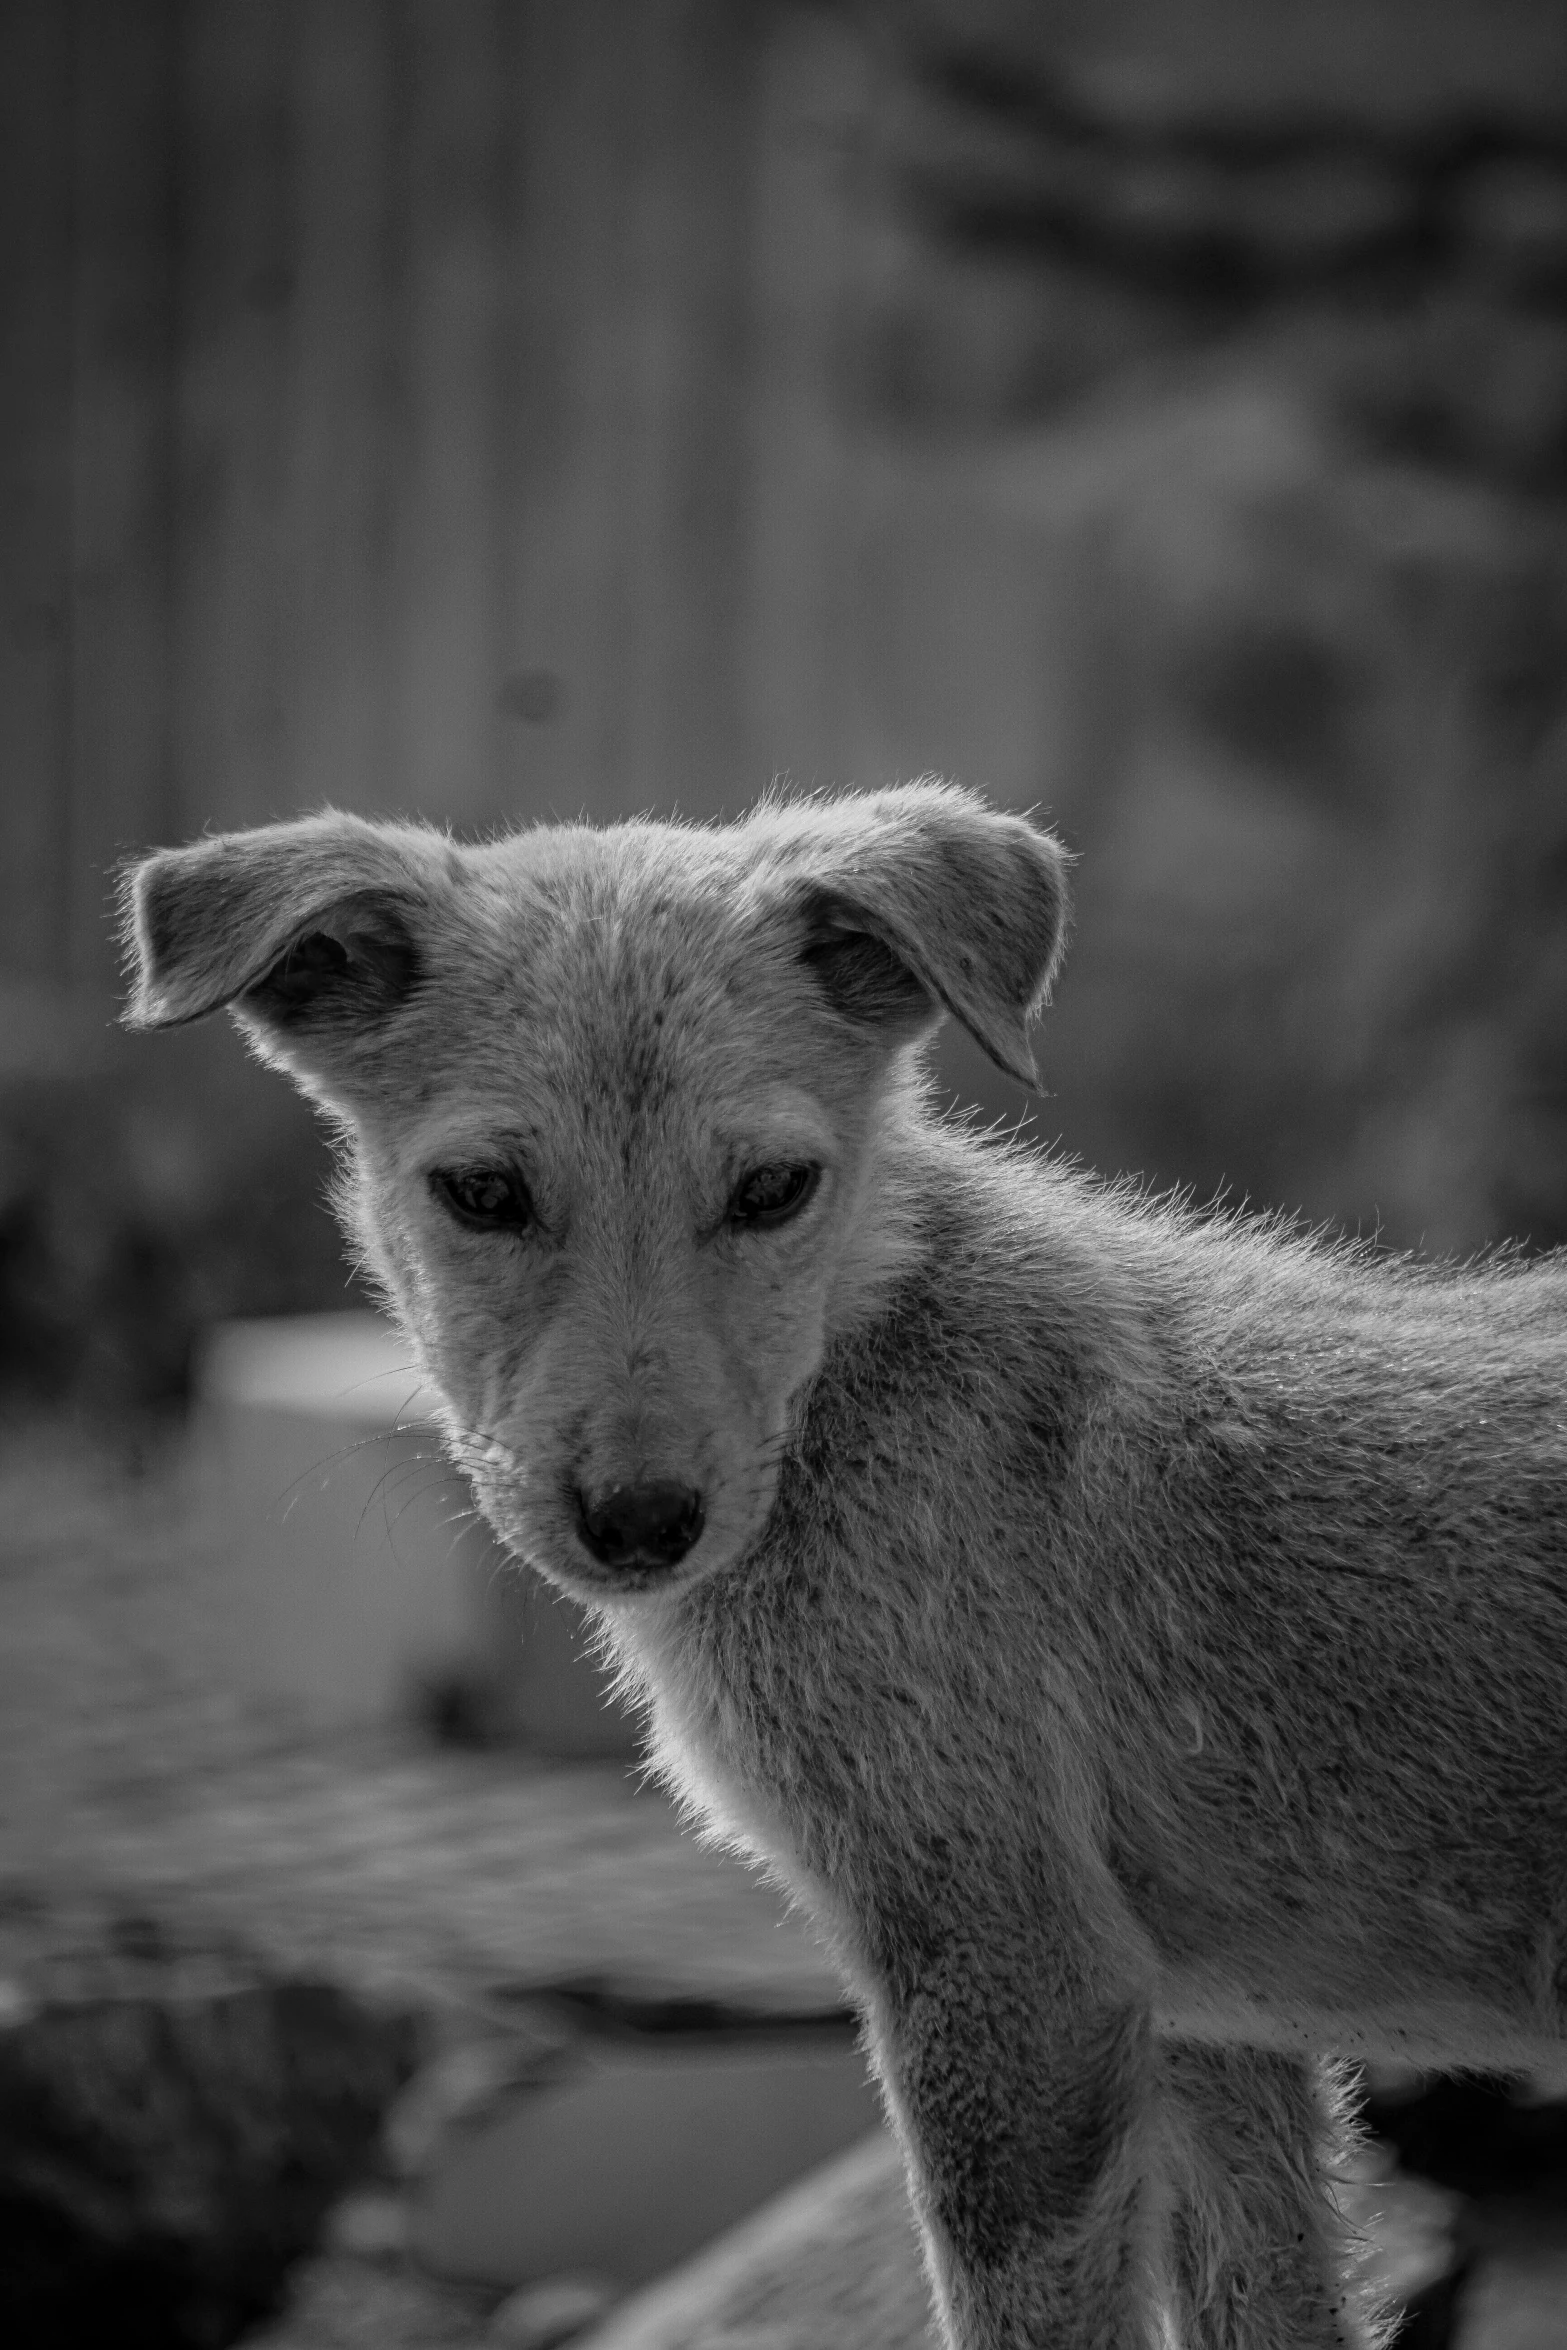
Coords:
355,1571
350,1367
357,1574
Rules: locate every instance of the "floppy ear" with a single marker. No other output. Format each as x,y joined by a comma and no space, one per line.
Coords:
923,899
303,929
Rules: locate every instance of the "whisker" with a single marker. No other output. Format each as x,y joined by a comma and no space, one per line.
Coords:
425,1474
337,1457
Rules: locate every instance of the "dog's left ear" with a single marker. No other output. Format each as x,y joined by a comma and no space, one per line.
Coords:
923,899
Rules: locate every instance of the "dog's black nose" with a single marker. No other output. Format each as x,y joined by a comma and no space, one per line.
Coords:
650,1525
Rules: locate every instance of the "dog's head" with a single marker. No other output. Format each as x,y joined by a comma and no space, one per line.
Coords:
617,1110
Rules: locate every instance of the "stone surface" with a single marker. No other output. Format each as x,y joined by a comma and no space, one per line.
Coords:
832,2265
164,2160
1517,2302
541,2317
338,2303
638,2154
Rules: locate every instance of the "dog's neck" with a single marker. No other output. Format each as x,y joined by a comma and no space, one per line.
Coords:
797,1661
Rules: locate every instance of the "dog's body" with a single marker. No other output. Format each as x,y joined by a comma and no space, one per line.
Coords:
1142,1641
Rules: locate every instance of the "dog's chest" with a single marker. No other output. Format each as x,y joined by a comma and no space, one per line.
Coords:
857,1751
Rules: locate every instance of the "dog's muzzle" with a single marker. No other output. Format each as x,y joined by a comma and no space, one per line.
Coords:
651,1525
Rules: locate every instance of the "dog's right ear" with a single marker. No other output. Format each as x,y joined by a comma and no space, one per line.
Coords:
304,930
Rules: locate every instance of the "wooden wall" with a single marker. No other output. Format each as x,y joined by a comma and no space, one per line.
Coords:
496,408
397,407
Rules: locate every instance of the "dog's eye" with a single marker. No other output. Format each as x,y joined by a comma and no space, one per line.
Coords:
488,1198
771,1195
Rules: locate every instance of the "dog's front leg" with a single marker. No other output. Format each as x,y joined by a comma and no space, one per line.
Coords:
1030,2129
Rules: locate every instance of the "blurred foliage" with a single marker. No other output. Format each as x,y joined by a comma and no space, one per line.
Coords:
1224,354
147,1189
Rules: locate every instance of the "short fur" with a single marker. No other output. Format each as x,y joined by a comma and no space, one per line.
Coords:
1141,1639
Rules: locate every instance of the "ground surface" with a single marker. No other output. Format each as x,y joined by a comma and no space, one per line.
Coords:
136,1781
152,1816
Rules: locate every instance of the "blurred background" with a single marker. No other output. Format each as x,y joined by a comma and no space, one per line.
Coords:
1150,412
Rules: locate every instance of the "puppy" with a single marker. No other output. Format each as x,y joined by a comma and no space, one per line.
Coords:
1140,1640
